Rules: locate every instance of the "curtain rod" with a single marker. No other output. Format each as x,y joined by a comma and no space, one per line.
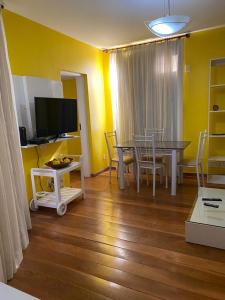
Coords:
185,35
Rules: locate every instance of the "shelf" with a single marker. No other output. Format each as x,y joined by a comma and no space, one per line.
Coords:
67,195
217,135
217,111
28,146
47,171
217,62
216,179
216,158
217,85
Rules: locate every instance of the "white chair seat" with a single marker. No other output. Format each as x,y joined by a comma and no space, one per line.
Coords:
127,159
187,163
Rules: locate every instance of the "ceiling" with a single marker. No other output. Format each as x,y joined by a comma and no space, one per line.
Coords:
108,23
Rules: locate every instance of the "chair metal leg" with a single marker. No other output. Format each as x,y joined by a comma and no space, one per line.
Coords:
117,171
153,175
166,175
138,179
110,172
202,175
127,172
178,175
198,177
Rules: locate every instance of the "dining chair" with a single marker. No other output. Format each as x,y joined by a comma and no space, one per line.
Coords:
111,141
159,133
145,154
198,162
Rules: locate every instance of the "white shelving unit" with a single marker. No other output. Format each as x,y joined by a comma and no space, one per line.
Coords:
216,159
61,196
68,137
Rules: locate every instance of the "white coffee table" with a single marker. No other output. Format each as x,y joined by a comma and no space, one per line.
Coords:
9,293
206,225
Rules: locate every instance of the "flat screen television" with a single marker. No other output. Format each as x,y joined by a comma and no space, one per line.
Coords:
55,116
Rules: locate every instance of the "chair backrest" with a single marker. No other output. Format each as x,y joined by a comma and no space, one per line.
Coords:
145,149
111,140
159,133
201,145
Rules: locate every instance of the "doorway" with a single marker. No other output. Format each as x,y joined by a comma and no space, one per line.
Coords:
74,87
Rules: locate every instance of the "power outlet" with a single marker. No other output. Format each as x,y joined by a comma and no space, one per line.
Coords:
50,183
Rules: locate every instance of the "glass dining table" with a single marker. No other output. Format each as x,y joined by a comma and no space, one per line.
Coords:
171,148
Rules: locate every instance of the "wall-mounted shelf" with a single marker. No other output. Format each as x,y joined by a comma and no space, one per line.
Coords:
28,146
217,85
217,111
216,158
217,135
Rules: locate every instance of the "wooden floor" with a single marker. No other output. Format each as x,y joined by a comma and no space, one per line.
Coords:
120,245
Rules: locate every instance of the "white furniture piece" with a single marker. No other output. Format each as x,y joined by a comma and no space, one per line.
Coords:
9,293
111,141
61,139
61,196
198,163
146,158
216,122
172,147
206,225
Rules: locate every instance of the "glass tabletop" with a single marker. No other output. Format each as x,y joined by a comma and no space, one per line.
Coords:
166,145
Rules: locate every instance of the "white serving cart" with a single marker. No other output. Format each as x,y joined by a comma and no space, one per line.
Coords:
61,196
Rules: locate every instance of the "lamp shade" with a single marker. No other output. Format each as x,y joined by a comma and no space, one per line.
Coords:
167,25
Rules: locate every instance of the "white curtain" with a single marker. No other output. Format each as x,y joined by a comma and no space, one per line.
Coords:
146,87
14,211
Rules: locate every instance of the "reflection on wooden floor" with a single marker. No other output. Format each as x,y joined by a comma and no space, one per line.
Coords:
120,245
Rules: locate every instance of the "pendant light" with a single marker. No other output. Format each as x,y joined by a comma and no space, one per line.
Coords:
167,25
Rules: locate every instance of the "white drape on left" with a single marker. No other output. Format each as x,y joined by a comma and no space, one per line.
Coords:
14,211
146,86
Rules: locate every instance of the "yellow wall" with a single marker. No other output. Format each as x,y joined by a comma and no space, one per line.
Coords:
35,50
70,91
199,49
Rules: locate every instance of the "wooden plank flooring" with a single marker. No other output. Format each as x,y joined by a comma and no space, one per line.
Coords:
120,245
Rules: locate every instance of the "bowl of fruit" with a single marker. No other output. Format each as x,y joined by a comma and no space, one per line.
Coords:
59,163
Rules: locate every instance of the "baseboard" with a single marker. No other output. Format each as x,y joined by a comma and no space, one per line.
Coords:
99,172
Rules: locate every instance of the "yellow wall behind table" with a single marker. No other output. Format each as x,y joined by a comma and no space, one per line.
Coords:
199,49
70,91
35,50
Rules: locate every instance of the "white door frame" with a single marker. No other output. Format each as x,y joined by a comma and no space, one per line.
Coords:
82,111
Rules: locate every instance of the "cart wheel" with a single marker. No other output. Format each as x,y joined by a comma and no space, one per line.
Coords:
61,209
32,206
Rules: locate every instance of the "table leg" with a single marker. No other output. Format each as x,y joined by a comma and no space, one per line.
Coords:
121,168
174,173
181,169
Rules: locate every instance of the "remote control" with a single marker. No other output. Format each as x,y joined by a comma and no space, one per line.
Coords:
211,205
211,199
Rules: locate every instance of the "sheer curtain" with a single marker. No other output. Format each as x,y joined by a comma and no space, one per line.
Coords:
146,86
14,211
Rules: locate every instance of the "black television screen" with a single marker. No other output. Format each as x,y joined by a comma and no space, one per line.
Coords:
55,116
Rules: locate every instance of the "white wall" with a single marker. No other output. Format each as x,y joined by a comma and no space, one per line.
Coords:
26,88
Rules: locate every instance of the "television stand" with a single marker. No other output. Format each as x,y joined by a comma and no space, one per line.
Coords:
51,141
